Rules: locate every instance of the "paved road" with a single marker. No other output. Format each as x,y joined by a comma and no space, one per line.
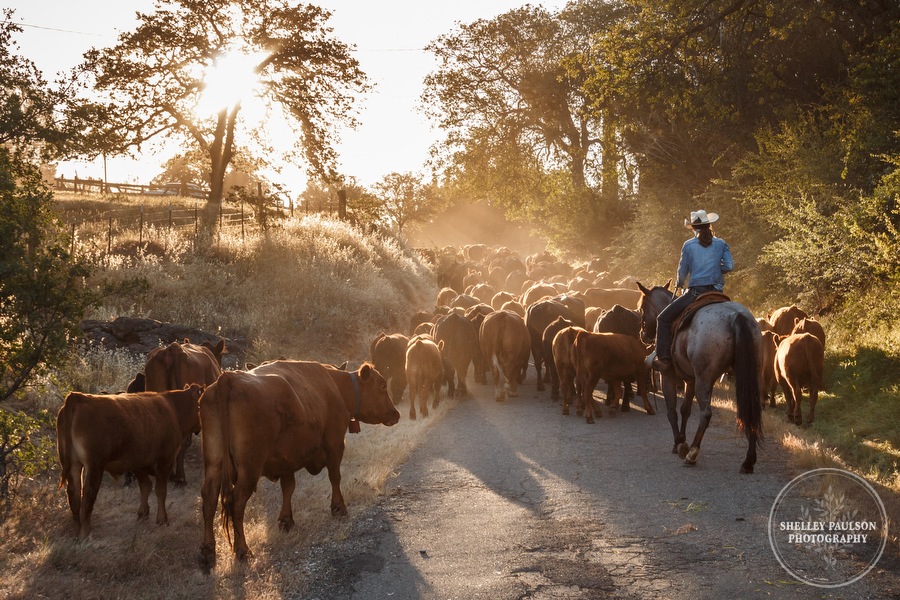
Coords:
513,500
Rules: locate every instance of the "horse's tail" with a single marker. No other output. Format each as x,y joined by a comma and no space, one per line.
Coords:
749,406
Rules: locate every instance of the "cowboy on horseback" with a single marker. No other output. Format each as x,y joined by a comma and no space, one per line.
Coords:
705,259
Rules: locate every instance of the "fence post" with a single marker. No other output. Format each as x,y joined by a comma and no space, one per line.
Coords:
72,251
196,220
262,206
109,237
170,216
141,227
242,220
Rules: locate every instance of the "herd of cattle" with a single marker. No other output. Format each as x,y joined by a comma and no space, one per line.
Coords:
494,312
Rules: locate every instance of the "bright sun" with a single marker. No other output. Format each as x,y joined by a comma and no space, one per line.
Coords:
232,78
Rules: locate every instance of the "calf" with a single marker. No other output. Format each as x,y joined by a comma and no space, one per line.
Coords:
424,373
139,432
611,356
799,363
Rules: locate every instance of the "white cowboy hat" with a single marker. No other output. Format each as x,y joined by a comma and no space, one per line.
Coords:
699,217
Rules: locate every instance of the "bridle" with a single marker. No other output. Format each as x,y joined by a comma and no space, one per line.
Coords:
648,324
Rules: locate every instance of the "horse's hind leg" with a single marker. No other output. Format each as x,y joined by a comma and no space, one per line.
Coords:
670,393
704,395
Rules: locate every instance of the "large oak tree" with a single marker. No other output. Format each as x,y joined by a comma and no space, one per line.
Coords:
154,79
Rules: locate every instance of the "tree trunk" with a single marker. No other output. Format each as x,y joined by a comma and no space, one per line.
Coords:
221,151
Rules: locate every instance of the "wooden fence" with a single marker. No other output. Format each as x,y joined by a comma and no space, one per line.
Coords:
152,223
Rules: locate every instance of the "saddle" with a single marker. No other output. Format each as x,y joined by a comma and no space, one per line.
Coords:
684,319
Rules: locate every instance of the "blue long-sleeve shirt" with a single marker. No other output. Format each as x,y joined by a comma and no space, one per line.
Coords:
704,266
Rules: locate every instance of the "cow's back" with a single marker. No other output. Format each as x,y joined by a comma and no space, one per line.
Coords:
119,432
800,360
782,319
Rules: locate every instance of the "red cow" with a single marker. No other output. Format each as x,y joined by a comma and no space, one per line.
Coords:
784,318
769,348
810,325
139,432
176,365
799,363
563,352
611,356
506,344
270,422
388,354
424,373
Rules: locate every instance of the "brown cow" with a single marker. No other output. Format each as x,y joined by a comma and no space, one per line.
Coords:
619,319
611,356
799,363
388,354
515,307
501,298
460,348
139,432
537,317
783,319
563,352
270,422
445,297
607,297
769,349
536,292
505,337
810,325
176,365
424,373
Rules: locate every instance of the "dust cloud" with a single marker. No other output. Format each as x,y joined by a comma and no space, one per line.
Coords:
476,223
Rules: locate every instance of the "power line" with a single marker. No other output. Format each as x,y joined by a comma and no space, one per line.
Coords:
54,29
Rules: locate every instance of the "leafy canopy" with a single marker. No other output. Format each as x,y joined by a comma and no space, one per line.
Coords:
155,77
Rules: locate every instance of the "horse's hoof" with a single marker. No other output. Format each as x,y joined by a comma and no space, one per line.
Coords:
589,420
682,449
675,449
691,458
745,470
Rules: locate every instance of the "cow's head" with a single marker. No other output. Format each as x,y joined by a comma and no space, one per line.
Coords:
375,405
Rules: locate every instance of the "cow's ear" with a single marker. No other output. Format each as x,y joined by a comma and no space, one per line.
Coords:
365,371
220,347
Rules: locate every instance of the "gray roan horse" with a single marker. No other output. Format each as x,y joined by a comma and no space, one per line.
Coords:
720,336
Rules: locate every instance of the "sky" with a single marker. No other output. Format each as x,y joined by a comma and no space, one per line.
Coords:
389,36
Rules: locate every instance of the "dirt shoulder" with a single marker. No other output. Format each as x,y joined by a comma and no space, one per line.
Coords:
514,500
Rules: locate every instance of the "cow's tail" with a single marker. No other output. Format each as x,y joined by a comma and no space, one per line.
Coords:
746,372
64,440
228,469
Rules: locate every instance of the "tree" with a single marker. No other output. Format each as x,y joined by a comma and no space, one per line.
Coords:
508,93
405,200
154,79
42,298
